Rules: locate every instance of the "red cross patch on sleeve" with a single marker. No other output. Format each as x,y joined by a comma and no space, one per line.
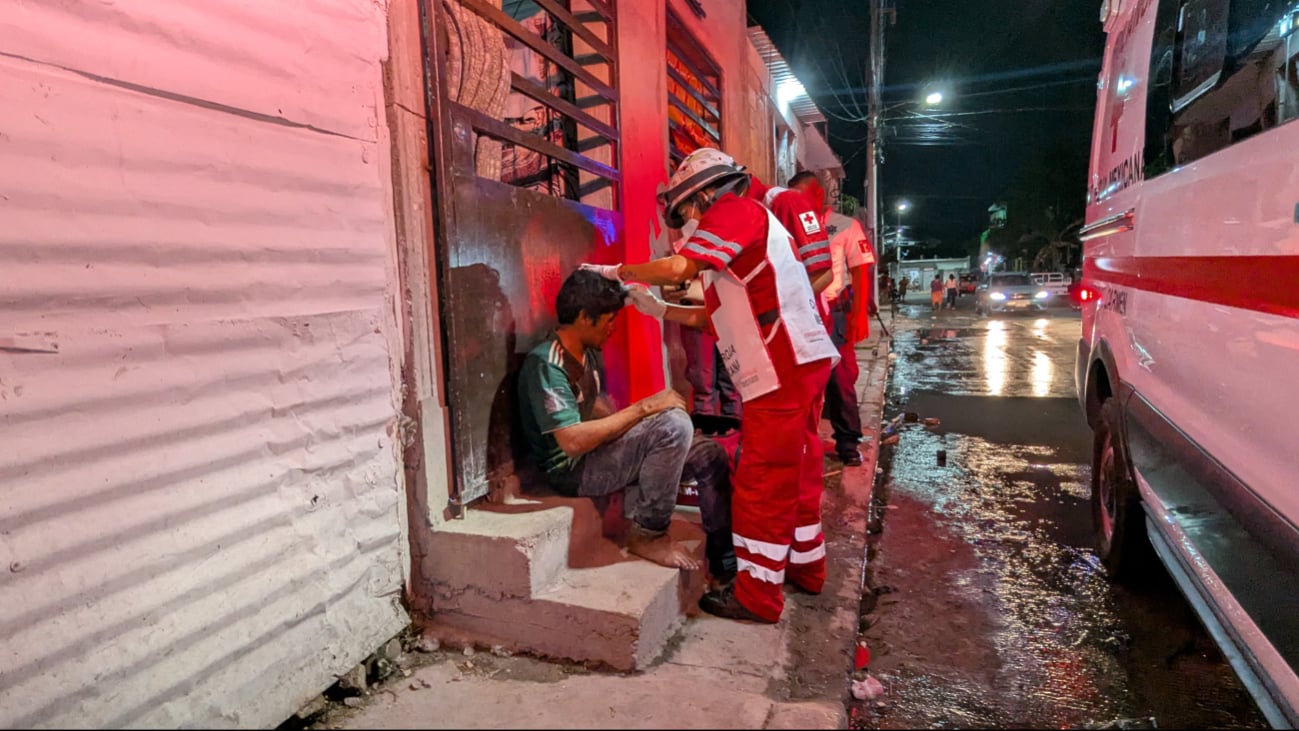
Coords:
810,224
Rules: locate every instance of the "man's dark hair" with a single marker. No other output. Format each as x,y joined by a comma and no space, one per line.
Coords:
588,293
799,178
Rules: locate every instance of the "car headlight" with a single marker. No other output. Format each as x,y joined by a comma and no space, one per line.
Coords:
996,296
1042,295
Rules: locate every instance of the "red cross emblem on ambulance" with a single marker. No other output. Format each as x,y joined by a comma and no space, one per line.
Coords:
810,224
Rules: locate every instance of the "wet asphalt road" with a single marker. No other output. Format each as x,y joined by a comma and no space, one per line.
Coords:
985,604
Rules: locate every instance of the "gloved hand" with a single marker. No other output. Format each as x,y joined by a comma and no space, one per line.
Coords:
608,271
646,301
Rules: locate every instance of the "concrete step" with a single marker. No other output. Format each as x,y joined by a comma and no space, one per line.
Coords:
541,576
501,554
621,616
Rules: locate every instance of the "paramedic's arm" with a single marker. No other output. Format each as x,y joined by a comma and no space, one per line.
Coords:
581,438
675,269
819,283
696,317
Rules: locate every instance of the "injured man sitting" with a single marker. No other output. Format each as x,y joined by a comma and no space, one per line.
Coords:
587,447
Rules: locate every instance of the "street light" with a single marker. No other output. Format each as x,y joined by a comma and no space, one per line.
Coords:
903,206
879,116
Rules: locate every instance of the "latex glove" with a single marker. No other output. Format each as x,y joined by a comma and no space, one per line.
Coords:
608,271
646,301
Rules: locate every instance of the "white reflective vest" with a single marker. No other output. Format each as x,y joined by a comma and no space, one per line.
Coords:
741,343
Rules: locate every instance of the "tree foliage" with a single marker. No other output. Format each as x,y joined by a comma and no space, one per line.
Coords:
1045,207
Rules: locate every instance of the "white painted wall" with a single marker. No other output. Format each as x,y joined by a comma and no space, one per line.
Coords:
199,490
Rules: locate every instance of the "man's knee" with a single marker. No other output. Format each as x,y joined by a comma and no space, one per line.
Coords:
673,427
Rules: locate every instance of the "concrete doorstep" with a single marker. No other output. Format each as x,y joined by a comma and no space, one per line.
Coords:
714,674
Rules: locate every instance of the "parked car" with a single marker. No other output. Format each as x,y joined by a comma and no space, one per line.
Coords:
1054,282
969,283
1011,292
1187,357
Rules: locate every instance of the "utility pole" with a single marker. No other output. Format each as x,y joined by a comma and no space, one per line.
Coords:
871,196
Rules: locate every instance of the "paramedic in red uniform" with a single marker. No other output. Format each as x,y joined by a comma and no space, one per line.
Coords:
847,302
776,348
799,210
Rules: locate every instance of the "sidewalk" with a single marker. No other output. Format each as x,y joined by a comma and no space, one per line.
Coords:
715,674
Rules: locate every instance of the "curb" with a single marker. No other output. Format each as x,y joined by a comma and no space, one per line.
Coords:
824,629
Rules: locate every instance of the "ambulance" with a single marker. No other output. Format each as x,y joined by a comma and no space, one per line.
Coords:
1188,364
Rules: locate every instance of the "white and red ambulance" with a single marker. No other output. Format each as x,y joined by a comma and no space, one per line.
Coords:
1188,367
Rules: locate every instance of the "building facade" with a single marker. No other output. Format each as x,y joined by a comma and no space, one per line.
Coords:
266,275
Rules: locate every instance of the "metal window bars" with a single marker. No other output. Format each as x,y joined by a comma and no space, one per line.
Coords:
694,95
536,81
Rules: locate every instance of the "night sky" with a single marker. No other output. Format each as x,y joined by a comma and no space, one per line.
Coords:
988,58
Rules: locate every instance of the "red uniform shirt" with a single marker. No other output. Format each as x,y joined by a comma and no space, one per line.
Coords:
733,235
797,212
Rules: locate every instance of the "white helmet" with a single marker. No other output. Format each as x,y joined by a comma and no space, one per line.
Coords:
702,168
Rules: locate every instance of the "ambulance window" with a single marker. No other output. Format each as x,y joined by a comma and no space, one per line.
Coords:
1203,34
1221,71
1159,95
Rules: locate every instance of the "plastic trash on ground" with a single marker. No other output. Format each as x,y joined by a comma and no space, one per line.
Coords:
867,689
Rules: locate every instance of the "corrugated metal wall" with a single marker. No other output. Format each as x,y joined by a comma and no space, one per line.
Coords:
199,494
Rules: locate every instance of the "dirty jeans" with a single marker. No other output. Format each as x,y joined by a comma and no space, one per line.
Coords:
649,462
841,395
713,392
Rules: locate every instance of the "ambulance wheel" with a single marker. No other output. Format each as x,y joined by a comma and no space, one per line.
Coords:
1118,520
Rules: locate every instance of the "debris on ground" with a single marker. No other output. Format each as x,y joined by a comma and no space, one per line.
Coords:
428,644
353,701
469,650
867,689
933,421
1129,723
500,651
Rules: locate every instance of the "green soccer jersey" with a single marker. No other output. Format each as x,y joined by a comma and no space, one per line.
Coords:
556,391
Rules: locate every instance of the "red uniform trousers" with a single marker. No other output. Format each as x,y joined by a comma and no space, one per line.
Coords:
776,491
806,568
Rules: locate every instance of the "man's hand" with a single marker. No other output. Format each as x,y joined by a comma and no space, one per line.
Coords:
608,271
646,301
663,401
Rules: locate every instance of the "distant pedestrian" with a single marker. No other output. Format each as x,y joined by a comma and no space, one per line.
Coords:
936,293
951,287
903,283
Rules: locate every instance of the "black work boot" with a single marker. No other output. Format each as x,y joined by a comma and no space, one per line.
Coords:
723,603
720,549
850,457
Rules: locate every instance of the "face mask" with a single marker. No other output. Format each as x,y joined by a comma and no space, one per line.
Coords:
689,229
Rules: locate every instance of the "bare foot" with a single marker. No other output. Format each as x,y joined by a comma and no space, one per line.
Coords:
662,551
